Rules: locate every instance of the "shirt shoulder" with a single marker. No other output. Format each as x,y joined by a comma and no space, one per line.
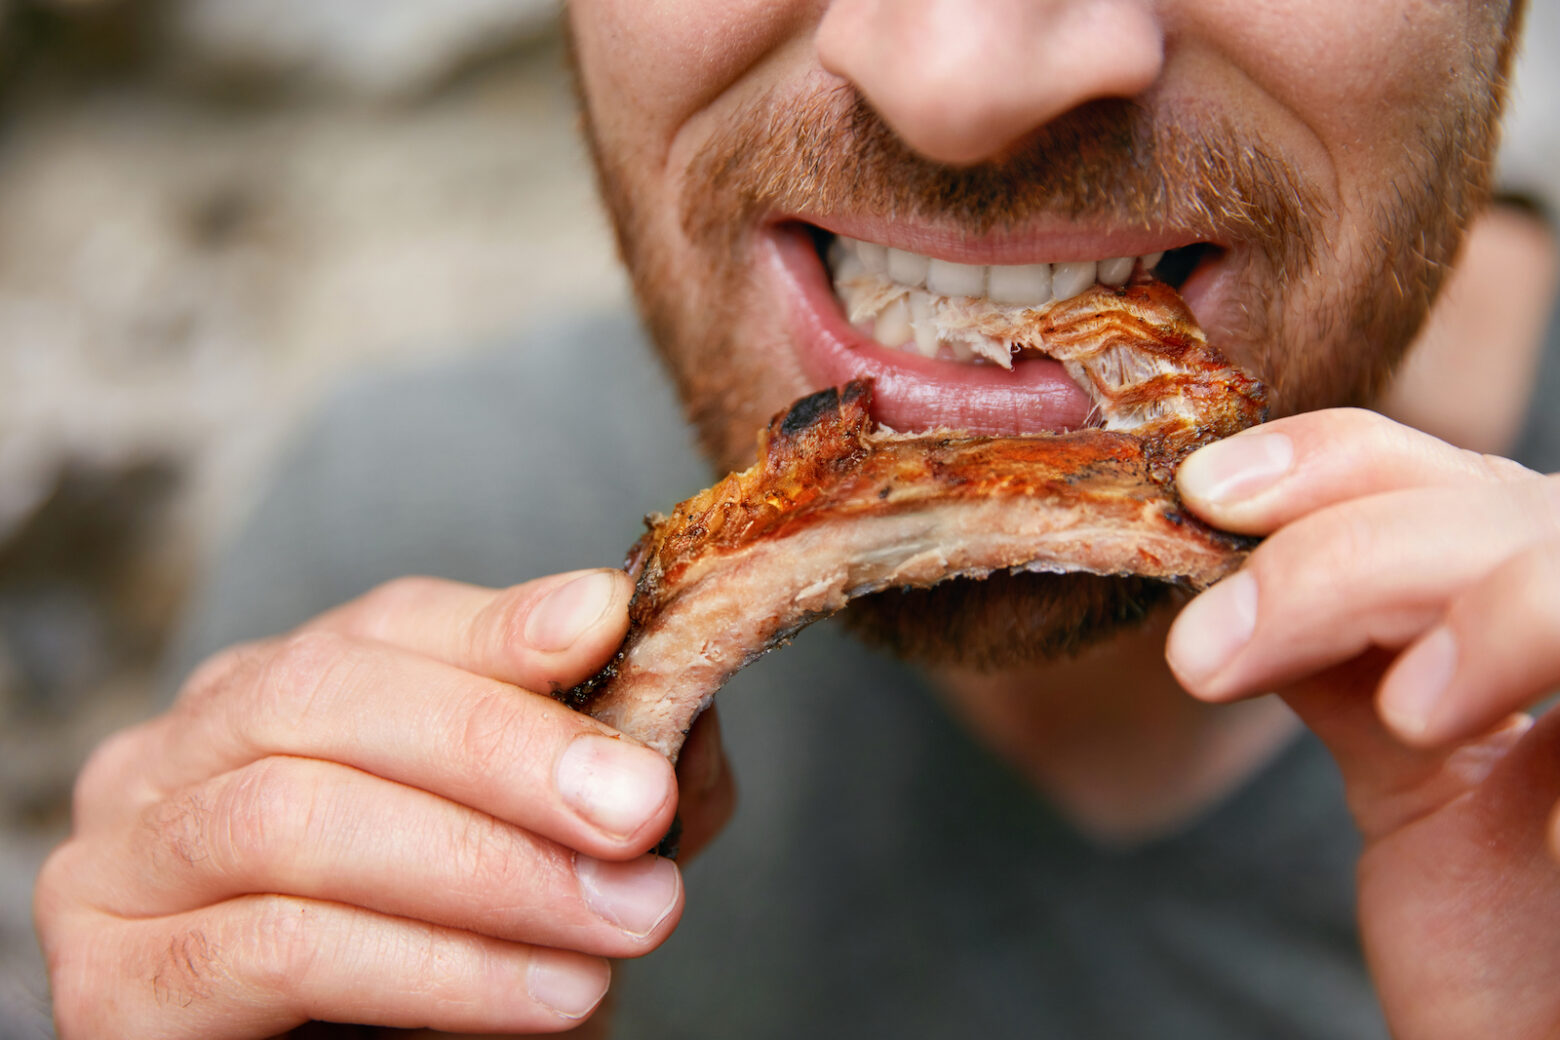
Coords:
534,456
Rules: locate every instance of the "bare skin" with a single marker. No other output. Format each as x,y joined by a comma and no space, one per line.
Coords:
515,863
1404,606
374,799
1083,740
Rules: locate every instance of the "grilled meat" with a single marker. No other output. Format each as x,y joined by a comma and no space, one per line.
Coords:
835,509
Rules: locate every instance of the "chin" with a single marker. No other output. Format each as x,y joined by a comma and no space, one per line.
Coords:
1007,620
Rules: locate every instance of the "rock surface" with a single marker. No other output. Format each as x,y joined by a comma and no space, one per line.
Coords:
183,272
377,48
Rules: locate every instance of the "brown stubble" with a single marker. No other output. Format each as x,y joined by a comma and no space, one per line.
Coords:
1110,161
1317,332
1414,236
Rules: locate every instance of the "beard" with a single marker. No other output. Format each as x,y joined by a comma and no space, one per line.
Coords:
1325,311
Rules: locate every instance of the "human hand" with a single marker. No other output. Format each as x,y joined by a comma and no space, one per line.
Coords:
373,820
1406,603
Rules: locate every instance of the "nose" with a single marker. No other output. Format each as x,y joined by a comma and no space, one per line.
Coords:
962,80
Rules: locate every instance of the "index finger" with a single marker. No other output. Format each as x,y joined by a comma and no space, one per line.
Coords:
405,717
542,635
1271,475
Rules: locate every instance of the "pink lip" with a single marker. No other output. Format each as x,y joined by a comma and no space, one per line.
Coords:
912,393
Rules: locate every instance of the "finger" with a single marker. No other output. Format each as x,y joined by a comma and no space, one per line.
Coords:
707,795
544,635
260,965
518,756
1496,652
1270,475
1375,571
307,828
1469,894
1387,783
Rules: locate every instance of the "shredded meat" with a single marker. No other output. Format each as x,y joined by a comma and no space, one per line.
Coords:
835,509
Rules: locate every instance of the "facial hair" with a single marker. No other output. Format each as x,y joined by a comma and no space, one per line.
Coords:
1112,161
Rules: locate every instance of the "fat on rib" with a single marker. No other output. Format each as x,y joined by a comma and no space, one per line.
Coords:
837,508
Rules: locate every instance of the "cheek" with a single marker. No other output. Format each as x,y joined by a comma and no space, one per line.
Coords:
1359,76
648,66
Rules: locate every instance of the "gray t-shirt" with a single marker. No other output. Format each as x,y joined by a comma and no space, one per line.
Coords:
884,875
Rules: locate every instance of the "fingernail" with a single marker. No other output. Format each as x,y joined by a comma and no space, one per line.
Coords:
572,987
1212,629
1416,684
636,896
615,785
569,611
1235,468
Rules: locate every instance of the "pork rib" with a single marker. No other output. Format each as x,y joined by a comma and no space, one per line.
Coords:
835,509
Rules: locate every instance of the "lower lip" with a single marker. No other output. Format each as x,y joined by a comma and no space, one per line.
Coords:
912,393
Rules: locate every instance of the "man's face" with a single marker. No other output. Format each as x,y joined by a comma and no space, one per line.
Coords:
1305,167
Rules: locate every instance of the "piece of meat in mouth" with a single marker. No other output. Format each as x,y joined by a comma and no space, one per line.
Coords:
837,507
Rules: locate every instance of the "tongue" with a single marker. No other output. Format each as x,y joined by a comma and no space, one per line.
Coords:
959,362
914,394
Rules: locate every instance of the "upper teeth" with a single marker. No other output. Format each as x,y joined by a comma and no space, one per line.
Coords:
959,312
1028,285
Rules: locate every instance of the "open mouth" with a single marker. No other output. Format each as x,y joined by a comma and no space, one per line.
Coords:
953,345
971,313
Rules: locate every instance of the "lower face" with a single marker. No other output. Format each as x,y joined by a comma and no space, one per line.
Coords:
755,194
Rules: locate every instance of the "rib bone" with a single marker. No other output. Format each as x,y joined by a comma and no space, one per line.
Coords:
835,509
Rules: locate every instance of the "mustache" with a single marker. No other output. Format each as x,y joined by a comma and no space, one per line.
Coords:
1112,160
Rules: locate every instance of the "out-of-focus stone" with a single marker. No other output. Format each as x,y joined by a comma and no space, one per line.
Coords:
378,48
180,276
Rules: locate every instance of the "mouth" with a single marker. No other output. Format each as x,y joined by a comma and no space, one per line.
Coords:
950,343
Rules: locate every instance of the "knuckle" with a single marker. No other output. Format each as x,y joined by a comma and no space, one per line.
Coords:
220,672
485,855
281,943
250,816
1316,558
502,624
306,654
300,672
497,731
232,827
102,776
178,829
215,670
373,614
190,968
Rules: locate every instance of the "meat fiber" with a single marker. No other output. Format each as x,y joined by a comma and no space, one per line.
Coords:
835,509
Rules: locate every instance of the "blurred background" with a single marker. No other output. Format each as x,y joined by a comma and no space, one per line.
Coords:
211,211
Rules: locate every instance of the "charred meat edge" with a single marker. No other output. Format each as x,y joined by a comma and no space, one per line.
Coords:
835,509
